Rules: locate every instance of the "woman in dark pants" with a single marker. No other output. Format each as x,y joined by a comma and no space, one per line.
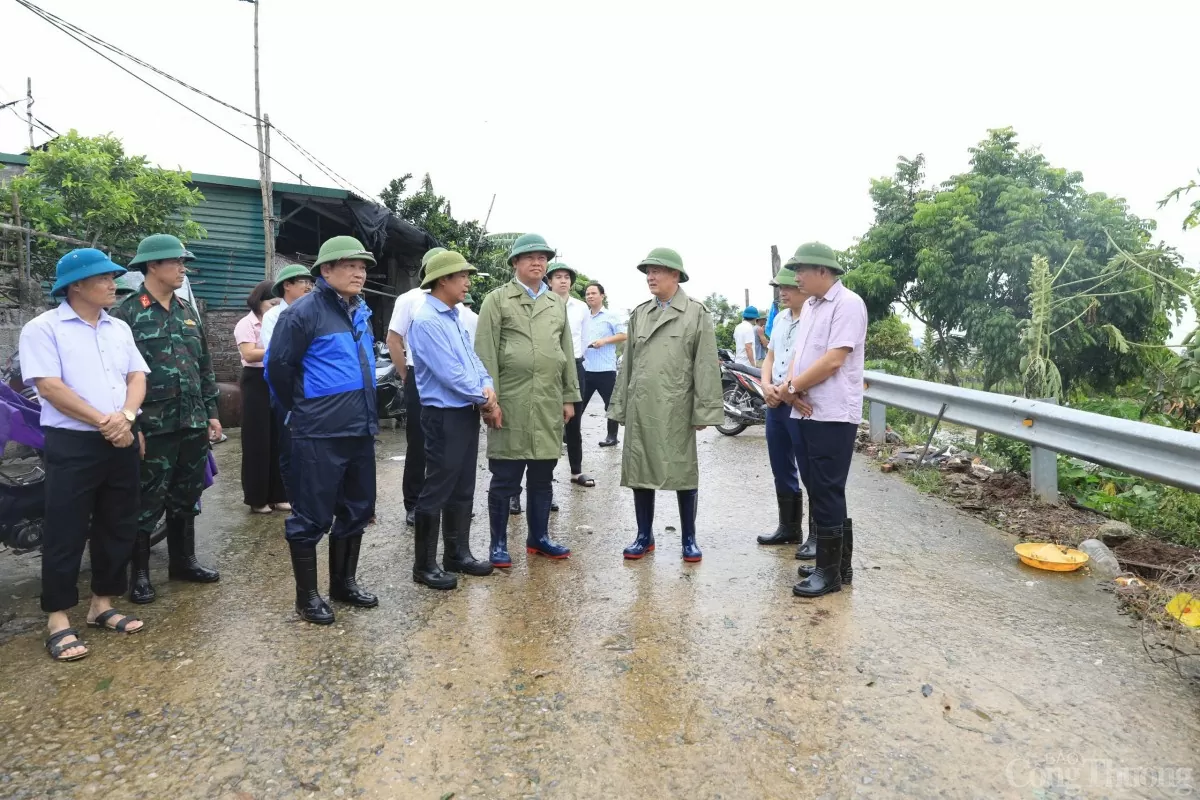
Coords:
262,484
605,331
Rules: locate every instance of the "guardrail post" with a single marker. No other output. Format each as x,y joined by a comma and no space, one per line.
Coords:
1043,470
878,422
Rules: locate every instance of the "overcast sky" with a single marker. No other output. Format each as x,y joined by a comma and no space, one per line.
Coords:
715,129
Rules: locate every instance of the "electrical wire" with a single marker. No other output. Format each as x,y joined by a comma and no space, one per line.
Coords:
74,31
38,12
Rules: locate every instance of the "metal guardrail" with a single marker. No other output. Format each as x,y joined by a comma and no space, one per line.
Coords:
1161,454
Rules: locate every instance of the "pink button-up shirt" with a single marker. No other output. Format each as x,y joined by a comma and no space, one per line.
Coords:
249,331
839,319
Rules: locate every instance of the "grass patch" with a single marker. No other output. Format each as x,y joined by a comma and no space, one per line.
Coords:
926,479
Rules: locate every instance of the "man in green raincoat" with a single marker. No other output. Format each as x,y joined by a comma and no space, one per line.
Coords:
524,342
669,387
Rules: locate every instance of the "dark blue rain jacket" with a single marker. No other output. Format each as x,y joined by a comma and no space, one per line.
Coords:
320,366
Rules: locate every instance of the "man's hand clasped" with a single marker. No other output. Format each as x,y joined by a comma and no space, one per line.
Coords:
117,429
490,410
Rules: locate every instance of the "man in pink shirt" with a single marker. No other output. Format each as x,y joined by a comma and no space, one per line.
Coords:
825,390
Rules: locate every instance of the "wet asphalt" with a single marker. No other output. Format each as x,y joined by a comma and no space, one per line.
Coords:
948,670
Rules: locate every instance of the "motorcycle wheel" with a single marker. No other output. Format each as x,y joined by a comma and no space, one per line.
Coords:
731,427
28,535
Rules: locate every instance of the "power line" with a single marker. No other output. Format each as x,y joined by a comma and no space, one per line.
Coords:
37,11
74,31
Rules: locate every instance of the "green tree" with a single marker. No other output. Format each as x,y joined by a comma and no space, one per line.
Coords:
427,209
1192,220
88,188
958,258
725,317
890,346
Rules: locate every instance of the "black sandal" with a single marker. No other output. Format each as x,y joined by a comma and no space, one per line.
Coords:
101,622
55,647
584,480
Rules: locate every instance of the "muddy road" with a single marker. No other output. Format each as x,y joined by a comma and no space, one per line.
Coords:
949,670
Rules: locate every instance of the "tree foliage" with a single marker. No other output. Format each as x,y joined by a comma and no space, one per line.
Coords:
1192,220
889,346
958,258
725,317
88,188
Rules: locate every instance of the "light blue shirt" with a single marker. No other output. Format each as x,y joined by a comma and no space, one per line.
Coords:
448,373
600,326
541,290
268,322
93,362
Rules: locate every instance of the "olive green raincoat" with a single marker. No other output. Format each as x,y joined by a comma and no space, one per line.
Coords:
525,345
668,384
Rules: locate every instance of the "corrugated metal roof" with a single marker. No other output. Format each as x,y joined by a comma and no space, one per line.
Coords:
230,261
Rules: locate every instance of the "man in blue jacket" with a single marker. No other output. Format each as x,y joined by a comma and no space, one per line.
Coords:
321,369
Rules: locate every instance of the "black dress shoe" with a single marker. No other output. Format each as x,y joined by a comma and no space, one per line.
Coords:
514,505
410,517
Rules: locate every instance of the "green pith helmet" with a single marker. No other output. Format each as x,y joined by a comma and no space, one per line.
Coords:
159,247
664,257
468,300
125,285
430,253
286,274
815,254
785,277
443,264
555,266
529,243
340,247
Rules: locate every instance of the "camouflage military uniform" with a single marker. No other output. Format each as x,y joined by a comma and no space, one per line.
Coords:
181,397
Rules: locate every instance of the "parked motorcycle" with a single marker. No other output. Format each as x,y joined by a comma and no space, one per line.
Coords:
389,386
742,394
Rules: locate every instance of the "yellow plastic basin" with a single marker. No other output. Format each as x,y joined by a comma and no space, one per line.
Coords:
1051,556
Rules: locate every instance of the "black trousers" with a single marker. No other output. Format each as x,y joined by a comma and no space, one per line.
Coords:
823,455
572,434
414,434
332,478
262,482
283,438
451,454
603,383
507,474
92,489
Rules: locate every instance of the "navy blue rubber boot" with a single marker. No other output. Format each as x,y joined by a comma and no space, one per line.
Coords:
498,519
687,522
538,520
643,508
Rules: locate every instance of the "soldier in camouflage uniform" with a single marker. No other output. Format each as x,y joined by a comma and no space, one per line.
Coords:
179,415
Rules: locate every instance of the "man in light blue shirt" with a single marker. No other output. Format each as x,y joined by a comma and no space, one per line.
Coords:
454,388
91,380
605,331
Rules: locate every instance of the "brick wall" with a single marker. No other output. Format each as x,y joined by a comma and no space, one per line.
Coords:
218,326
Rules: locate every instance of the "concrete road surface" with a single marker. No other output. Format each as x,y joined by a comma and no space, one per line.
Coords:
949,670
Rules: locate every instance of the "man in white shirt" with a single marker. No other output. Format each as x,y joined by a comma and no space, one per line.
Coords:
293,282
468,318
561,278
744,338
407,305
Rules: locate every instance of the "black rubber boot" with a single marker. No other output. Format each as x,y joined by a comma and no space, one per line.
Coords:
140,589
827,576
456,536
343,568
807,551
847,551
514,505
309,604
611,439
425,565
181,553
791,510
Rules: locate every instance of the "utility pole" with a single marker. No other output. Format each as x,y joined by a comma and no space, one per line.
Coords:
29,109
747,305
264,163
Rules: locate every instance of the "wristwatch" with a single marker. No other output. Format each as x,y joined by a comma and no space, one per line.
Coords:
130,416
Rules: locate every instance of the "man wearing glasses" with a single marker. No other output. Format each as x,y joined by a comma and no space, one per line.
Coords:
179,414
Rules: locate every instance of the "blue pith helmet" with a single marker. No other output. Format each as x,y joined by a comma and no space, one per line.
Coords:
80,264
750,313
